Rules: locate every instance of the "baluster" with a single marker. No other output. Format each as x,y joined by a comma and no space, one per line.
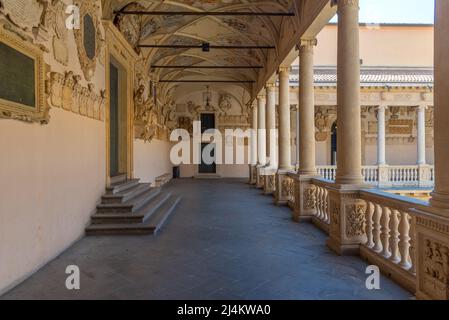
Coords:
369,225
412,249
404,238
326,206
376,228
385,232
394,236
318,202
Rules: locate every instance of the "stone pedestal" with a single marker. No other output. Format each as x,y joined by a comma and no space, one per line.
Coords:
305,198
270,181
252,174
425,175
283,187
260,177
347,219
383,179
432,253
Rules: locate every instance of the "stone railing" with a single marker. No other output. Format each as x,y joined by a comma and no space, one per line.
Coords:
388,176
390,235
289,190
316,198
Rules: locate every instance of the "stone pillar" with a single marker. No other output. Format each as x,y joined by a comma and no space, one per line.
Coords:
284,119
304,189
306,108
346,232
284,164
421,134
297,137
261,140
349,138
381,135
432,222
271,167
253,158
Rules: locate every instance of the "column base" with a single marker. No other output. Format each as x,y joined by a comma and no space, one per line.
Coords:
425,176
347,219
432,252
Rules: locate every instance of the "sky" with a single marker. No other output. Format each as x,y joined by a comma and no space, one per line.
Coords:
396,11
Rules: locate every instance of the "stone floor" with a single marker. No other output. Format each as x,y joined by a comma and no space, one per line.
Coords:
225,241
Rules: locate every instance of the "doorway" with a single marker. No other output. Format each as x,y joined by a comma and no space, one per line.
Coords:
207,122
114,122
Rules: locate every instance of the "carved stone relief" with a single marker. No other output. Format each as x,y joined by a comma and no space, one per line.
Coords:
355,220
310,198
66,92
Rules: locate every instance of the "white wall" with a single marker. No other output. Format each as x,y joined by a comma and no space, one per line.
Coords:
51,179
151,159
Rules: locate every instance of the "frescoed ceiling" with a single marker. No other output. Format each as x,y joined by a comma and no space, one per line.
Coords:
187,30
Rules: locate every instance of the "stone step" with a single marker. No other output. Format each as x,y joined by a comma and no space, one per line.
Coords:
118,178
133,205
127,194
150,226
122,218
122,186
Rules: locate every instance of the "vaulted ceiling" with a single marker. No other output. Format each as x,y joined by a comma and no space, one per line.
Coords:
193,30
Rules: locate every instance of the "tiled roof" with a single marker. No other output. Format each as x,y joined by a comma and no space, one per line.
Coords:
372,76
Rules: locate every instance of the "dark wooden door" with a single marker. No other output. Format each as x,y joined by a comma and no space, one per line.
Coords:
207,121
114,122
204,167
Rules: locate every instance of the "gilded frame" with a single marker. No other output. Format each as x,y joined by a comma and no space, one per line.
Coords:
17,111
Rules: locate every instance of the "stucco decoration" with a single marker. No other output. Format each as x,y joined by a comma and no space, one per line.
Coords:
145,116
131,26
66,91
88,37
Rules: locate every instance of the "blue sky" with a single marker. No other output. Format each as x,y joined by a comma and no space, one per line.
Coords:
396,11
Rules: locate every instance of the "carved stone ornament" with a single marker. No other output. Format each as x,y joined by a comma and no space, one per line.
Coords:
25,14
66,92
11,109
145,116
310,197
88,37
355,221
272,182
131,26
288,188
435,264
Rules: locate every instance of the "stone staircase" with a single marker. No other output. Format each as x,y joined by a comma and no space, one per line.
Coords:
132,208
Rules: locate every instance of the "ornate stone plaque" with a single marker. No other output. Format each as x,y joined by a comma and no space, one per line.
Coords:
25,14
88,37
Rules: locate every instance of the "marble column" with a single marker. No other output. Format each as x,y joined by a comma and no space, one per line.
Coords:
349,155
306,109
284,119
381,160
261,135
271,124
297,137
440,196
421,134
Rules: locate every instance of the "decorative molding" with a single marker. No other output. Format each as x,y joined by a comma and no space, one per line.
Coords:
88,65
355,220
66,92
310,197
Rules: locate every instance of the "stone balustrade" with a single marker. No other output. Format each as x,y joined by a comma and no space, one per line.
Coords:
389,176
390,235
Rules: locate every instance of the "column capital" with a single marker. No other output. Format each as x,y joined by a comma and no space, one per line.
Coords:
270,85
261,96
306,44
346,3
284,69
382,107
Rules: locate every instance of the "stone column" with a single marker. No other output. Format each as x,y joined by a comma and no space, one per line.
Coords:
346,210
349,155
284,119
271,167
306,109
421,134
253,158
381,143
297,137
381,135
440,196
261,140
284,164
432,222
305,191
